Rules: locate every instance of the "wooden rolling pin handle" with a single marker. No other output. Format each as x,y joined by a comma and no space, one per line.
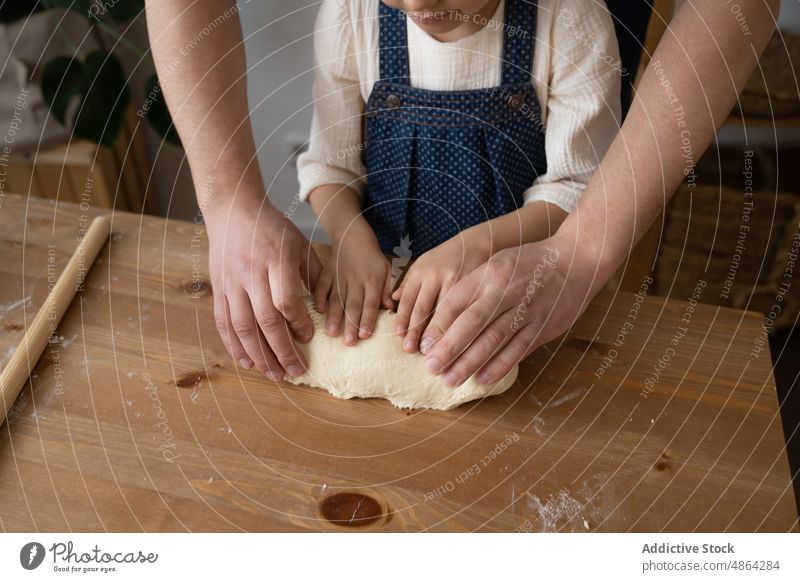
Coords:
29,350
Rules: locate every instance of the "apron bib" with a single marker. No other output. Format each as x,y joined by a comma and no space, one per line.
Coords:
439,162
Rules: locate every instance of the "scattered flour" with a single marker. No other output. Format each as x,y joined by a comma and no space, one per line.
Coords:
558,509
532,397
538,425
8,307
567,398
66,342
538,422
9,352
571,509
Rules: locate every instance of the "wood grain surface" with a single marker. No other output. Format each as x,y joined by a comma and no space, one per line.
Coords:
136,419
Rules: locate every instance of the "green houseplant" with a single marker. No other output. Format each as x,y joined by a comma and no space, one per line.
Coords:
88,91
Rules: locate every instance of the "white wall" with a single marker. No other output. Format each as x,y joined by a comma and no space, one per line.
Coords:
790,16
279,51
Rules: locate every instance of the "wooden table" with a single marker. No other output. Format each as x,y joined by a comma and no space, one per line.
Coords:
137,420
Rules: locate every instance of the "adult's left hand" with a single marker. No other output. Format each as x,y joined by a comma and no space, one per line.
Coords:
520,299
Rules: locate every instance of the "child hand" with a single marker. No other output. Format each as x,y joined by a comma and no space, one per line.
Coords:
429,279
354,283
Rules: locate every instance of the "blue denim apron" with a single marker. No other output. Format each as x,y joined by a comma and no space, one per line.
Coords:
631,19
439,162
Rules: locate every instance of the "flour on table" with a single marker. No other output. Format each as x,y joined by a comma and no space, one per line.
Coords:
559,508
377,367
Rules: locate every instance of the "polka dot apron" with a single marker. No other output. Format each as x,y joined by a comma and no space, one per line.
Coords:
439,162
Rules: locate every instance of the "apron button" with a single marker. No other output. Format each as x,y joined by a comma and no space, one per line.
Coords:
393,101
516,101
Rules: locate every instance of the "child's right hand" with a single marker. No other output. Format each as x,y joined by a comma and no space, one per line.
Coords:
353,285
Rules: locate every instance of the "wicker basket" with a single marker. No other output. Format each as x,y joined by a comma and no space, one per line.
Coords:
772,90
741,252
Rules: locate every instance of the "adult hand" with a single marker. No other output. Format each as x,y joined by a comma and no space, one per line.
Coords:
258,260
520,299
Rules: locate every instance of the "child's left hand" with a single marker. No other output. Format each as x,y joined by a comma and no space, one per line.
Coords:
429,279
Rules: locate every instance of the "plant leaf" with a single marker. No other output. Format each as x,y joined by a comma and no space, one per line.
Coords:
62,80
124,10
99,84
82,7
13,11
157,112
120,10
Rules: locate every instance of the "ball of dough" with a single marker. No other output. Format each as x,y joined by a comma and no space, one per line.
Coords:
377,367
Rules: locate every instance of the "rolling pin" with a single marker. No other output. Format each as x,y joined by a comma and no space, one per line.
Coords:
29,350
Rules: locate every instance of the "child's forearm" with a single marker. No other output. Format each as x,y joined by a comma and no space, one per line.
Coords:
339,210
533,222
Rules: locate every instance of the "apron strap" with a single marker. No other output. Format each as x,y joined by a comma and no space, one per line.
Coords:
393,45
519,32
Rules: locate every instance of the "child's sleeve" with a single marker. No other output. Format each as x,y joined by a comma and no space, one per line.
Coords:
334,149
583,104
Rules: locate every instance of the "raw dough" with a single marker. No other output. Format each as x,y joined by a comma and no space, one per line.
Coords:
377,367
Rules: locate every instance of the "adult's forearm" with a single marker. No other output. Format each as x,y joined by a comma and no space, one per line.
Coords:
686,94
199,56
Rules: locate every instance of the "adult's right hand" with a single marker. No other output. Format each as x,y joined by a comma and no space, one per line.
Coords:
257,262
520,299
